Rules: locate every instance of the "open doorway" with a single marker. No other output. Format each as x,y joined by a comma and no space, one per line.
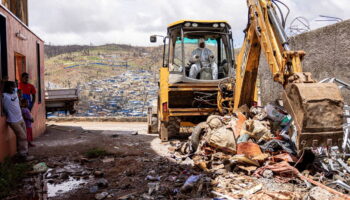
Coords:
20,66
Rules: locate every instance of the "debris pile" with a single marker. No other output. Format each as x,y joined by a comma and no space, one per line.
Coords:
252,155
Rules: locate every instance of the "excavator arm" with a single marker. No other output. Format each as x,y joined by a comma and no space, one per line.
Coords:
316,108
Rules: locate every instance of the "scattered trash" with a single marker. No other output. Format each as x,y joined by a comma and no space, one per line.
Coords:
102,183
190,183
98,173
188,161
152,178
253,190
344,165
222,196
108,160
257,130
267,174
101,196
40,167
147,197
128,196
282,169
278,145
153,187
93,189
284,157
249,149
274,112
248,169
340,184
222,138
244,160
317,193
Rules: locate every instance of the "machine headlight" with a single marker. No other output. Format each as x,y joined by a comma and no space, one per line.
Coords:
215,25
195,25
187,24
222,25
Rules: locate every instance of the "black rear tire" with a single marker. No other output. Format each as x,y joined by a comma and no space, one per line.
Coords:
173,127
197,134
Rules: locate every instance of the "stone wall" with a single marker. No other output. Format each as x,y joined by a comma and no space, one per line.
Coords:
327,55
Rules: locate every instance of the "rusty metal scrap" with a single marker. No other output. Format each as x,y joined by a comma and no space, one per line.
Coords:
341,195
248,149
284,157
344,165
284,169
340,184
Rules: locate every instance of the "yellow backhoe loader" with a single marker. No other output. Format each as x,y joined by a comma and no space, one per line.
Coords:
190,75
316,108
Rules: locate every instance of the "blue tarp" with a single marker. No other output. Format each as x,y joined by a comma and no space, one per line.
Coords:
195,41
71,66
103,64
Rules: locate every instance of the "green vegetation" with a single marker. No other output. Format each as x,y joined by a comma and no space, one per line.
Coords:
96,153
56,63
11,174
93,58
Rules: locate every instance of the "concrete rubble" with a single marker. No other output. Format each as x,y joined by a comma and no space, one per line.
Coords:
249,153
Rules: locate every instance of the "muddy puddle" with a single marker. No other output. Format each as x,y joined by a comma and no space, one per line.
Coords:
54,190
62,180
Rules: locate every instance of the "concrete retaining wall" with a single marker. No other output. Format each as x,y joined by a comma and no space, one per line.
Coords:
327,55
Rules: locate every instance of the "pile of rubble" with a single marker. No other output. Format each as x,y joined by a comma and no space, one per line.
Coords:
252,155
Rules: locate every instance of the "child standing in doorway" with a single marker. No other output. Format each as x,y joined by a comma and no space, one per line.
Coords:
28,119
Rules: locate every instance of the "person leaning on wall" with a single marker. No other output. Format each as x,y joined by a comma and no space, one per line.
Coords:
14,118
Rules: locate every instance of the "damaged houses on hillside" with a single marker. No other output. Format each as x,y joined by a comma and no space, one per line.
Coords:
21,51
127,94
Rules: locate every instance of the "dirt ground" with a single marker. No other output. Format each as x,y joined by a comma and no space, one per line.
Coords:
132,155
135,165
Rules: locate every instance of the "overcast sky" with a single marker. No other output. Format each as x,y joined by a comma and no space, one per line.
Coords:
133,21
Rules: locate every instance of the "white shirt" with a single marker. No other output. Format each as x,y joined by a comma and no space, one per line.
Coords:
12,108
203,54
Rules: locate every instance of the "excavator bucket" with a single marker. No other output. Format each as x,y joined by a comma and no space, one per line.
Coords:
317,110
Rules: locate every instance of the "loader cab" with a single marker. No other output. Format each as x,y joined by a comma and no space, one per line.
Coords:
197,57
198,51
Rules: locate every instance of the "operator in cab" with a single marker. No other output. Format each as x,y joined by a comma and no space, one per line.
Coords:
203,63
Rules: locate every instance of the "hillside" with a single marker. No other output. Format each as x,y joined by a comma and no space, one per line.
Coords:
87,63
111,79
